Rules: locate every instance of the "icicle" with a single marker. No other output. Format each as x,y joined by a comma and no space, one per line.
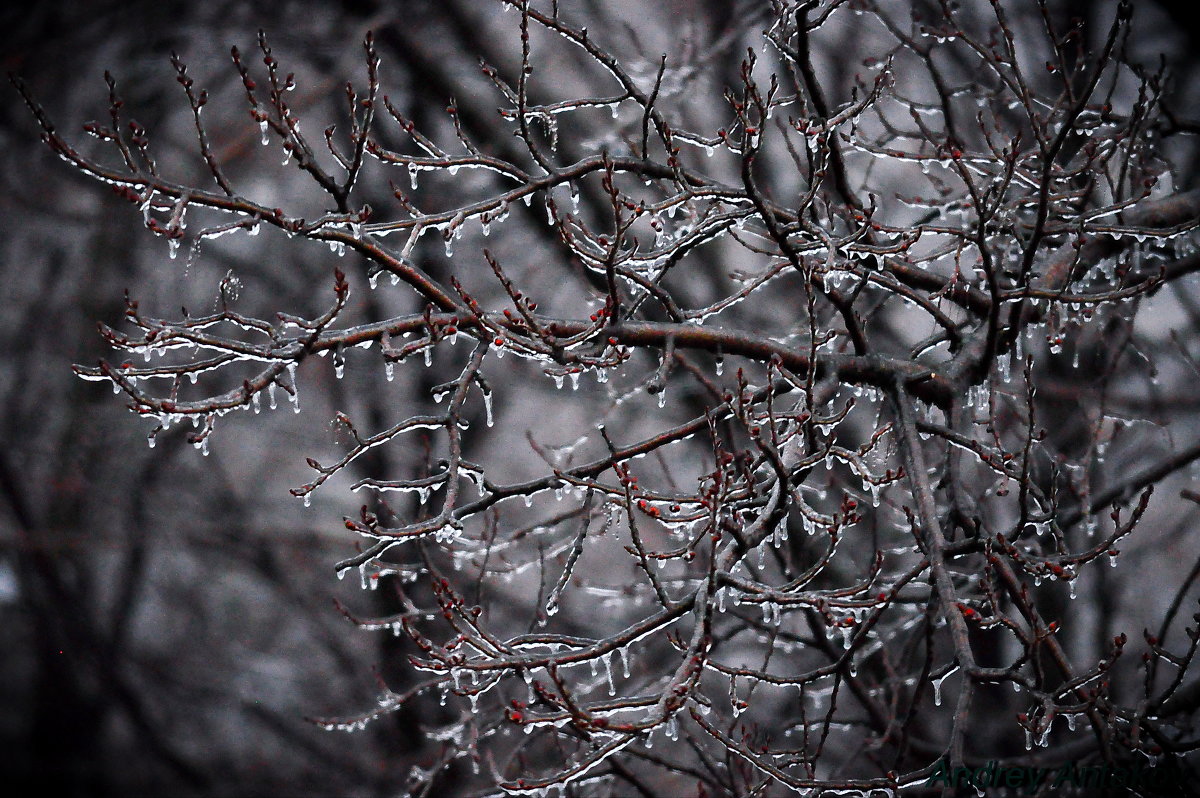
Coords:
412,175
606,659
1004,364
624,655
487,408
662,398
389,370
262,127
574,380
308,499
428,356
937,691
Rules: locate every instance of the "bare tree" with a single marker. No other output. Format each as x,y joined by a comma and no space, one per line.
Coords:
862,391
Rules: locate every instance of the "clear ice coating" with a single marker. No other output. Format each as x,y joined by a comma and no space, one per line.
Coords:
669,216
